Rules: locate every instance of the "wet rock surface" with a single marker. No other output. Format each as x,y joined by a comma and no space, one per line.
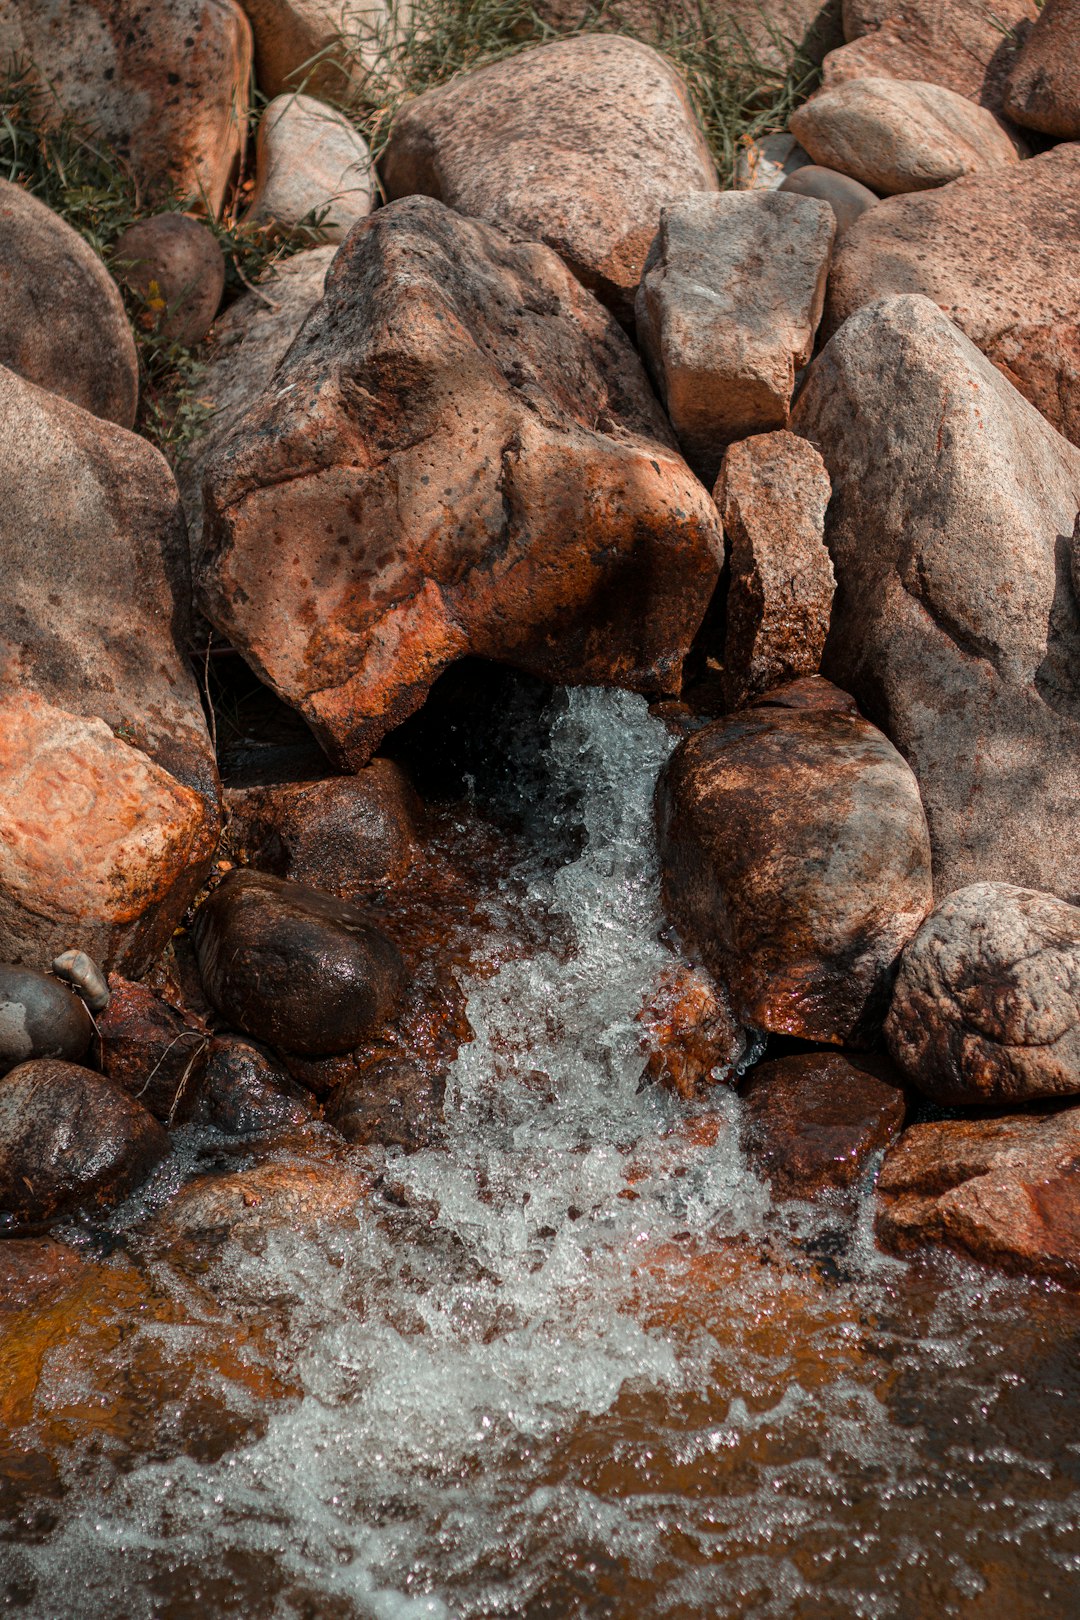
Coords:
578,144
987,1002
1005,1191
815,1120
248,1204
246,1092
62,320
156,1051
772,493
293,967
39,1017
954,623
175,266
70,1141
389,1102
730,299
508,431
1043,88
796,863
690,1035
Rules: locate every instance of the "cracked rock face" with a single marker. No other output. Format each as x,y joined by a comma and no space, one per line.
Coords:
987,1002
460,454
955,622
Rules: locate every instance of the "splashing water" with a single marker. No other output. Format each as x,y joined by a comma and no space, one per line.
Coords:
582,1366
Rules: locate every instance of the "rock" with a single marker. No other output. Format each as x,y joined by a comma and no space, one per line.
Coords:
83,973
730,299
764,162
156,1051
313,168
70,1141
459,454
1005,1191
987,1002
389,1102
578,144
246,345
796,864
293,967
326,47
96,841
246,1093
1043,88
966,45
346,835
691,1039
767,34
847,198
772,493
104,633
814,1121
166,87
174,264
39,1017
808,692
299,1198
955,624
62,320
900,134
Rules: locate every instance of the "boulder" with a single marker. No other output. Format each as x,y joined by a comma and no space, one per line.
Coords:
156,1051
814,1121
459,454
70,1142
900,134
730,299
312,168
847,198
326,47
772,493
166,87
1004,1191
97,842
966,45
768,35
389,1101
39,1017
955,623
807,692
246,1093
690,1036
987,1002
345,835
578,144
1043,88
246,1204
62,320
293,967
996,251
175,266
796,865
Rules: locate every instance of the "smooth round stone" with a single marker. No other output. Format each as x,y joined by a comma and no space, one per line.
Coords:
175,264
846,197
39,1017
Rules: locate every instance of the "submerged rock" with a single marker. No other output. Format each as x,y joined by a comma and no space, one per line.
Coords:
70,1141
174,264
247,1204
293,967
154,1050
39,1017
796,864
690,1035
247,1093
389,1101
987,1002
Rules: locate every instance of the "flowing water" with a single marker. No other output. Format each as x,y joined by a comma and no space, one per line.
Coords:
571,1362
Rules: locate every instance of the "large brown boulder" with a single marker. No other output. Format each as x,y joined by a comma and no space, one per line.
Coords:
766,35
166,86
1005,1191
987,1002
955,622
1043,88
62,320
459,454
326,47
578,144
996,251
796,864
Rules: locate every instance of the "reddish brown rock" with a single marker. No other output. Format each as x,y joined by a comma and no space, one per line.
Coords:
388,1101
346,835
1005,1191
996,251
987,1001
767,35
808,692
459,454
815,1120
174,264
691,1038
247,1093
796,864
157,1052
578,144
70,1141
62,320
1043,88
326,47
306,1197
772,493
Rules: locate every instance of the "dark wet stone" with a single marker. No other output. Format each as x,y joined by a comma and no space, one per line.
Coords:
156,1051
247,1092
39,1017
388,1102
812,1121
300,970
70,1140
